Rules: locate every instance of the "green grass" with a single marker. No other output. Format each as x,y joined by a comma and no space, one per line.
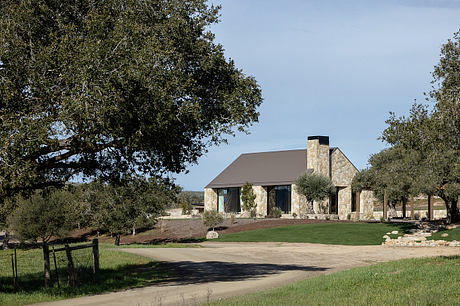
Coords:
432,281
119,270
454,234
327,233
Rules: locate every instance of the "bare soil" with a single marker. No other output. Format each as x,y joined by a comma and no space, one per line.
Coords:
193,230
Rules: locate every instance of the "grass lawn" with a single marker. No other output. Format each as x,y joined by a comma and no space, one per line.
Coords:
118,270
327,233
454,234
432,281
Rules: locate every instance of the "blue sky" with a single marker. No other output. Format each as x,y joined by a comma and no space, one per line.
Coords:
333,68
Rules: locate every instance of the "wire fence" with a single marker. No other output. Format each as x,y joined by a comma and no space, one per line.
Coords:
68,266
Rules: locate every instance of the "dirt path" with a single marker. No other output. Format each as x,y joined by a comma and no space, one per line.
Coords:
220,270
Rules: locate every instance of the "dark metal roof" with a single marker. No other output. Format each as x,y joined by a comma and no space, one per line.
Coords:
266,169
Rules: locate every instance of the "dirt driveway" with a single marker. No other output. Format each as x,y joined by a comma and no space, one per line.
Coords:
220,270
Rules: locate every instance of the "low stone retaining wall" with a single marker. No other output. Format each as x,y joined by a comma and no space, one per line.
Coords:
419,214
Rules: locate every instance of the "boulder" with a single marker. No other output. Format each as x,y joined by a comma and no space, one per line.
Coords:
212,235
394,232
444,235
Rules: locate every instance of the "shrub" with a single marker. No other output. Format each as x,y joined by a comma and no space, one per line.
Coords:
275,212
248,198
186,208
211,218
232,218
294,215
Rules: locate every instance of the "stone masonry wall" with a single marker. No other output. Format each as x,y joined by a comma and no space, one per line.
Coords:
261,199
298,202
318,157
210,199
344,203
342,170
366,204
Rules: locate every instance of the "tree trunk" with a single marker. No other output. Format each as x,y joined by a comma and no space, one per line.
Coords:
392,212
430,209
385,206
134,231
452,211
404,209
117,239
46,263
412,208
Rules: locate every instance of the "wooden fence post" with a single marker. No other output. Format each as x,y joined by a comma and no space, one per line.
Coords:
70,266
16,264
56,269
12,268
46,262
96,260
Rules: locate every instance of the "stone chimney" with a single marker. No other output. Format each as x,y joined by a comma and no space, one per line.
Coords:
318,155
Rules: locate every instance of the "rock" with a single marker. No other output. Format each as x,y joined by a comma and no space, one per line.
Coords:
394,232
386,237
388,233
212,235
444,235
451,226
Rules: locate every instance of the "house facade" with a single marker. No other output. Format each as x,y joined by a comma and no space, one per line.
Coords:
273,176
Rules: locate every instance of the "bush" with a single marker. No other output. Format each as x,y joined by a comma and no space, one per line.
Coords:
275,212
294,215
248,198
211,218
186,208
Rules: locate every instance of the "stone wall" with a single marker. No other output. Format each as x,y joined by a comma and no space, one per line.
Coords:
318,157
261,199
210,199
344,203
366,204
437,214
298,202
342,170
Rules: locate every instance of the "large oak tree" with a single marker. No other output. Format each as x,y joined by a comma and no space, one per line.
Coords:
96,88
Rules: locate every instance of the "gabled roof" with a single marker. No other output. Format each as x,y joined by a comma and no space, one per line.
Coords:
265,168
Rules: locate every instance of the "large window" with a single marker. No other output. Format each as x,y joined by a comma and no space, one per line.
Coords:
229,200
334,202
279,196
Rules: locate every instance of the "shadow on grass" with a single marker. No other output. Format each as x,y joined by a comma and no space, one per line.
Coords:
187,272
126,276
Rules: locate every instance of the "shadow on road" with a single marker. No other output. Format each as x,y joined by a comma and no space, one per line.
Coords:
187,272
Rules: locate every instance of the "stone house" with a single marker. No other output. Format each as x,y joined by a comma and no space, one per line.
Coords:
273,176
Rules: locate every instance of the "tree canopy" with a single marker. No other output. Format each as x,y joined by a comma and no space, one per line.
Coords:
101,88
314,187
428,140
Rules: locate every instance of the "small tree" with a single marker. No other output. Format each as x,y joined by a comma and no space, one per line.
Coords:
248,198
134,202
314,187
211,218
44,214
